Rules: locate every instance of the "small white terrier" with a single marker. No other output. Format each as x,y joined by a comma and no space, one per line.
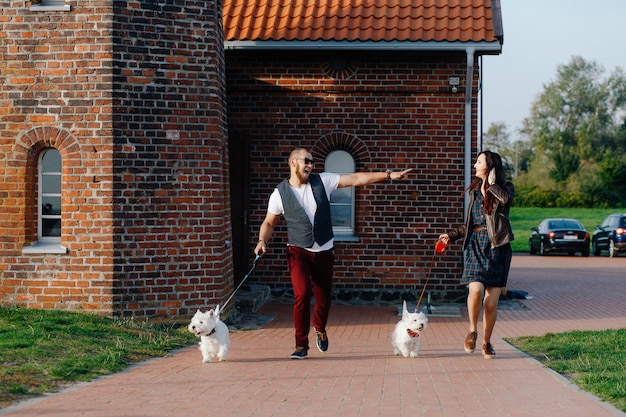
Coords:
406,336
213,334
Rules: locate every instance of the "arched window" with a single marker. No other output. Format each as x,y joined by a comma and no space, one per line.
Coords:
342,199
50,184
49,196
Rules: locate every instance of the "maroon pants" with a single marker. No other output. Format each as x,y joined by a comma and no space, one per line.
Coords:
311,275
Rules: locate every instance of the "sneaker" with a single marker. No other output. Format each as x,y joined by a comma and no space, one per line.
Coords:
299,353
470,342
322,341
488,351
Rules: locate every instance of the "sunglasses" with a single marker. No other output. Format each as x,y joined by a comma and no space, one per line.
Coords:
307,161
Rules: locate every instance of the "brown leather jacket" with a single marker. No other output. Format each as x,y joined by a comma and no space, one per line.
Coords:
498,223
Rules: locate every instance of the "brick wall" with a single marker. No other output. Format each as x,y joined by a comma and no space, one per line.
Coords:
171,196
389,111
52,65
131,94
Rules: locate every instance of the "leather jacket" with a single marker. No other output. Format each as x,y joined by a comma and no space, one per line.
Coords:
498,223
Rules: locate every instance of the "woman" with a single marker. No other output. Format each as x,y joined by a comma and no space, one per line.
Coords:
486,241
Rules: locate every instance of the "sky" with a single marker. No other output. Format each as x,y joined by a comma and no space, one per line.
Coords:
540,35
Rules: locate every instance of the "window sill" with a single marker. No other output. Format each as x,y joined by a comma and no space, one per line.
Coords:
44,247
346,238
50,8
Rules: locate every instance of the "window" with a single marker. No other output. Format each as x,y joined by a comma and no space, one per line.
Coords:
48,204
50,196
49,5
342,199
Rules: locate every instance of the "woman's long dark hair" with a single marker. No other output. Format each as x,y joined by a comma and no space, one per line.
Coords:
493,161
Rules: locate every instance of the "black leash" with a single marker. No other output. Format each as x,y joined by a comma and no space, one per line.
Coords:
432,263
242,281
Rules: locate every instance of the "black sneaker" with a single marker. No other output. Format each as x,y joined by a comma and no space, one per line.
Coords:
299,353
322,341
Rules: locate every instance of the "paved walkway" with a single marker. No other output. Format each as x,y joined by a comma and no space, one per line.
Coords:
359,376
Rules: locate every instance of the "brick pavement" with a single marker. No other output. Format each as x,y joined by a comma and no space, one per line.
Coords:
358,376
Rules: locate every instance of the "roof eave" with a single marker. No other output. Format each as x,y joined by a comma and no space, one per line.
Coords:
484,47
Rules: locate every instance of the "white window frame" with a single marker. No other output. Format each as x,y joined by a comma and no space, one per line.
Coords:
341,162
46,244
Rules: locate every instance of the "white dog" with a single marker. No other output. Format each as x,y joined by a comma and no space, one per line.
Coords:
406,336
213,334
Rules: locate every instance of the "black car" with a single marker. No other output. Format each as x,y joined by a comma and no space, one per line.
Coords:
559,235
611,236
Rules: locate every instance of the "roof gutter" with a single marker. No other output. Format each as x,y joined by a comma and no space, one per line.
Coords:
432,46
469,77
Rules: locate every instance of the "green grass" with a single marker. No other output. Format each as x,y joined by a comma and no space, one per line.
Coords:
593,360
523,218
42,351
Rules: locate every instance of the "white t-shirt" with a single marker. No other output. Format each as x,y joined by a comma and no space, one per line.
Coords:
305,196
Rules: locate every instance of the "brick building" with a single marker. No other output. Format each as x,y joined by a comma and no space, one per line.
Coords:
129,216
130,189
384,85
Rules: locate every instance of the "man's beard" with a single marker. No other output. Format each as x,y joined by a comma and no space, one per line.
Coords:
303,178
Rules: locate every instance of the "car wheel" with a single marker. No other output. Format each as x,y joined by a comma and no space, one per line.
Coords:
612,251
596,250
531,249
542,251
585,253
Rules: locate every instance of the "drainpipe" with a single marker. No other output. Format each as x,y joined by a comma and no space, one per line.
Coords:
469,76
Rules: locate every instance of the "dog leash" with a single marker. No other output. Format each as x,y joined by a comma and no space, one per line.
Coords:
432,263
242,281
440,247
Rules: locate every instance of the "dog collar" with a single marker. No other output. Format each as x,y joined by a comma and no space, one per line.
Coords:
211,332
412,333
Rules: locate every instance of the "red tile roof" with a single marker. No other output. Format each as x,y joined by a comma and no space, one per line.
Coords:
363,20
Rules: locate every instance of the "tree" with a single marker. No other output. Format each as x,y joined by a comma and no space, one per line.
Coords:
496,139
573,121
515,154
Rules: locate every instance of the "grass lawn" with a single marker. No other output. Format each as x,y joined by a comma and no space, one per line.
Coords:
593,360
42,351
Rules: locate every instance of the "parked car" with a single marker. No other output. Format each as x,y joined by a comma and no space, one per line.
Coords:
559,235
610,236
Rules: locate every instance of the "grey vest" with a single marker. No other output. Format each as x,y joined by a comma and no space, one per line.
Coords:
300,231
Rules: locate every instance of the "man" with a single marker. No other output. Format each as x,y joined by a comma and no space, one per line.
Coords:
304,201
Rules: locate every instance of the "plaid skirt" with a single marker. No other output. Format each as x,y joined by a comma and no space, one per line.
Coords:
484,264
